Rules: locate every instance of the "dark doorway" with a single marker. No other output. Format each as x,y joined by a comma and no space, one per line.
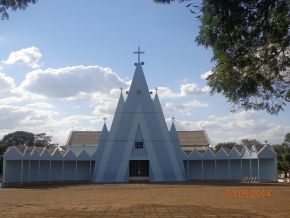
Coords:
139,170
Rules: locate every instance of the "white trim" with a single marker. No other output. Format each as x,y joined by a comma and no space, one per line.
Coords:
258,169
38,170
21,172
229,169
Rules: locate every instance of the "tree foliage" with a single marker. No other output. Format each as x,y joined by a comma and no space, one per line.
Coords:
283,158
250,142
229,145
13,5
26,138
18,138
250,41
287,139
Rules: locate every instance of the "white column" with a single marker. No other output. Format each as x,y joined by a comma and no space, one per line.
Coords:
258,169
90,171
202,169
29,170
229,169
4,169
241,170
215,170
76,170
50,170
251,167
38,170
21,172
187,170
62,170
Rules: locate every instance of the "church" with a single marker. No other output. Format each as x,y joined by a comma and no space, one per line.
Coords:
138,147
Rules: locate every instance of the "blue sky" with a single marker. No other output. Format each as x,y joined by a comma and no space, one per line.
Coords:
62,64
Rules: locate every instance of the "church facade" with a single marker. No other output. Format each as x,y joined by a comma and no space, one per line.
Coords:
138,147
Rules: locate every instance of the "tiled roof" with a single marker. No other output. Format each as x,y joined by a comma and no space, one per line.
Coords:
186,138
84,138
191,138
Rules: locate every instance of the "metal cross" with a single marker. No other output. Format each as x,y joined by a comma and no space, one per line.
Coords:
121,90
139,52
104,120
156,89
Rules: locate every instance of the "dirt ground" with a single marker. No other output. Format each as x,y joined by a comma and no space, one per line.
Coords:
147,200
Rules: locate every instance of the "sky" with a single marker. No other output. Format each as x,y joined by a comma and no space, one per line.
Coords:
62,64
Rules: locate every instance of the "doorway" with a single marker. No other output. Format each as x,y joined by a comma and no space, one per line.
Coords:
139,170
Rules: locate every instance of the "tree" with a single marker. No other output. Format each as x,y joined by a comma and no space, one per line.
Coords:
18,138
42,140
13,5
250,40
250,142
283,158
229,145
287,139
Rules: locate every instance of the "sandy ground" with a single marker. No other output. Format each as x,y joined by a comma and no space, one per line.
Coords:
147,200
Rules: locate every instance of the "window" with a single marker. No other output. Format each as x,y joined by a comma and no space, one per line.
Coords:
139,145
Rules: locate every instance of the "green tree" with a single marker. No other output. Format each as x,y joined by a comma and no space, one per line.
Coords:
250,40
283,158
287,139
42,140
250,142
228,145
18,138
13,5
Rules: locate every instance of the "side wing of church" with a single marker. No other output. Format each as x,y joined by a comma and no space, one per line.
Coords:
138,147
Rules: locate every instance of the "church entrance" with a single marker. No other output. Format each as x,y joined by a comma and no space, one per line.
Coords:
138,170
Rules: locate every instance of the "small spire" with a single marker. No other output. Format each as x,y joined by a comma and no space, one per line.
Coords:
156,90
104,120
172,118
121,90
139,52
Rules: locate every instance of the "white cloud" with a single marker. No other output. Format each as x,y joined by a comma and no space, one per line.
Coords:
237,126
166,92
72,81
192,89
184,108
185,90
6,83
205,75
26,56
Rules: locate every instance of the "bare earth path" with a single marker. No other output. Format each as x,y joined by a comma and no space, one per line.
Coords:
147,200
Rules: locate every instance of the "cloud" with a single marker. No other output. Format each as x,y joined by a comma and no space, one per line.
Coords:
72,81
237,126
192,89
26,56
205,75
184,108
185,90
166,92
6,83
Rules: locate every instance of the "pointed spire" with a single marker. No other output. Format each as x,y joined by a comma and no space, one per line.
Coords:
157,103
104,133
121,101
173,132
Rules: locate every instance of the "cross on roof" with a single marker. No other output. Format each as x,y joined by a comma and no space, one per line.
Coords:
156,89
139,52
